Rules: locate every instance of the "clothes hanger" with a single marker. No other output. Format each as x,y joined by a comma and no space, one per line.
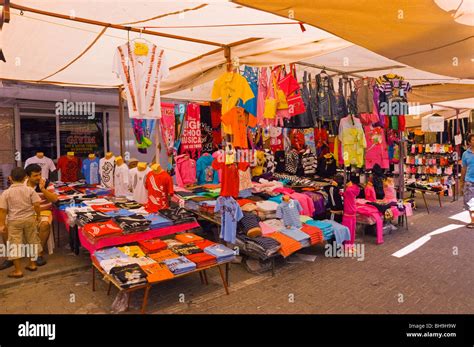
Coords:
141,38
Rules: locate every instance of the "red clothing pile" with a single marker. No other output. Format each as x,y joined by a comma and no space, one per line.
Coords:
202,259
204,243
102,229
153,245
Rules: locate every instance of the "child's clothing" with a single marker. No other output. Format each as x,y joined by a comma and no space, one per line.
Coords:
290,213
18,201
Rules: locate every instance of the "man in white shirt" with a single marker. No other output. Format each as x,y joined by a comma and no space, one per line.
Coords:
46,164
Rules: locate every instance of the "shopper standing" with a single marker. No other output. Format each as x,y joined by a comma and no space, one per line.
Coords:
467,178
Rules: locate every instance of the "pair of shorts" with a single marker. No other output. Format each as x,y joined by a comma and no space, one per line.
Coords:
46,216
23,239
469,196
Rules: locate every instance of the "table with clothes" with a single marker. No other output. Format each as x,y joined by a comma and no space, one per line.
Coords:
97,221
260,223
139,265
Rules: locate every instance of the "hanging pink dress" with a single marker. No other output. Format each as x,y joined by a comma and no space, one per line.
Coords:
350,209
262,93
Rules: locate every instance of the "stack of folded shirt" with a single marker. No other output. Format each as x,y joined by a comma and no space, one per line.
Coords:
263,247
297,235
178,215
105,208
341,232
185,195
108,264
132,251
204,244
172,243
162,255
65,201
153,245
132,224
188,237
267,209
315,234
84,218
202,259
207,206
90,199
109,253
179,265
186,249
129,275
129,205
288,245
71,213
158,221
324,226
221,252
100,229
157,272
119,213
271,225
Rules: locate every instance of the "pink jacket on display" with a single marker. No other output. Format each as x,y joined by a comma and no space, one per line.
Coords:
376,151
185,170
370,193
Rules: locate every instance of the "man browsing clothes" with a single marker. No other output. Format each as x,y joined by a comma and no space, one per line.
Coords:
467,178
46,193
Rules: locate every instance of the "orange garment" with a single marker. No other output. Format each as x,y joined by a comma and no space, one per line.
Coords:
243,202
288,245
204,243
236,122
163,255
188,237
316,235
157,272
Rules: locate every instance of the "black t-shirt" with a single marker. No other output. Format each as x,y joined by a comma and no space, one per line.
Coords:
280,161
334,198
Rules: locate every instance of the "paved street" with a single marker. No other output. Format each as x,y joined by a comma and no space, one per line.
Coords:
436,277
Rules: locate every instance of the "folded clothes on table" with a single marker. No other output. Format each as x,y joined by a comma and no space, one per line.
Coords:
134,223
202,259
158,221
221,252
178,215
188,237
109,253
84,218
129,275
132,251
297,235
179,265
157,272
341,232
204,244
186,249
152,245
315,234
129,205
100,229
162,255
288,245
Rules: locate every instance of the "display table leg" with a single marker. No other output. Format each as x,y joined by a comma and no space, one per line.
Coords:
273,266
129,298
426,204
93,278
223,280
145,298
227,270
201,277
110,287
205,277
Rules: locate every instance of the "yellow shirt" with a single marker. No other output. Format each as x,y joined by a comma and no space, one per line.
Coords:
230,87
